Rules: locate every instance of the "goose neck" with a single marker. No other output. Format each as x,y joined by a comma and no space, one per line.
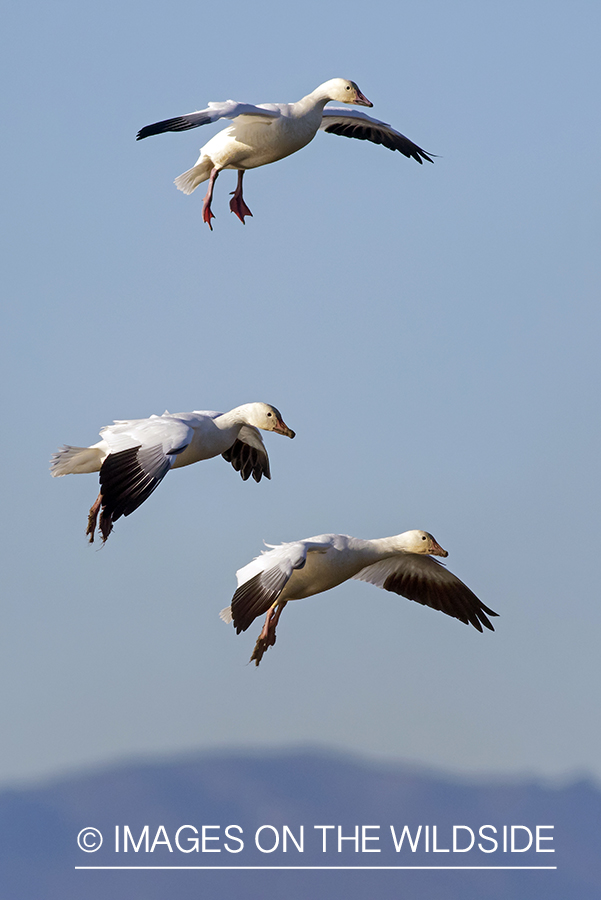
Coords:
237,416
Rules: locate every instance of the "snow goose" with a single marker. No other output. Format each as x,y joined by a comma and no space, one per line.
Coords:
270,131
402,564
134,455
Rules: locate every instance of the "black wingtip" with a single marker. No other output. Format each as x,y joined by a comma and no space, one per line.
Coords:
178,123
486,609
147,131
157,128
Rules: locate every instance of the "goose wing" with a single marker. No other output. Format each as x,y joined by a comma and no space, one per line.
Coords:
142,452
261,582
352,123
426,581
228,109
248,454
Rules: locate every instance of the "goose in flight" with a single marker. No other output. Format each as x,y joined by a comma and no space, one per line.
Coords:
402,564
265,133
134,455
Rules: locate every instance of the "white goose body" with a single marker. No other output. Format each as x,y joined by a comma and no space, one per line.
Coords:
402,564
134,455
252,141
262,134
329,559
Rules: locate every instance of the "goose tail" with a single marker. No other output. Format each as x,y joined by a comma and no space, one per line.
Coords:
70,460
226,615
189,181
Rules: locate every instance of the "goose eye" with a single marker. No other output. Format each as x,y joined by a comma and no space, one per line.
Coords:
423,537
269,415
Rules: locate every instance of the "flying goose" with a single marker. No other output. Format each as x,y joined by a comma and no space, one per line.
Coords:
134,455
265,133
402,564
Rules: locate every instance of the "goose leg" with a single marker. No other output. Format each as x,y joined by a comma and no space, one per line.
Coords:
237,204
267,637
92,518
207,212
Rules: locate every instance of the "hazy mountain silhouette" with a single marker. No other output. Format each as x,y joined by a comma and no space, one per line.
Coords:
39,828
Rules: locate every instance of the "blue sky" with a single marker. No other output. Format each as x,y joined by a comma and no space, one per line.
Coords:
430,333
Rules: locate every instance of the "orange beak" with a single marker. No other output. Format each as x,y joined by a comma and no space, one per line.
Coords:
361,99
281,428
436,549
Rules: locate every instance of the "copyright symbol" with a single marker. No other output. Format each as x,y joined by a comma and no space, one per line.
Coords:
89,840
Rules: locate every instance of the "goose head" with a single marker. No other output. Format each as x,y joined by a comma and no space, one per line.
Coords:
268,418
344,91
422,542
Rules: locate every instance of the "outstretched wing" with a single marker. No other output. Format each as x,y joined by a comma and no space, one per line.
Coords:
248,454
262,581
426,581
352,123
142,453
228,109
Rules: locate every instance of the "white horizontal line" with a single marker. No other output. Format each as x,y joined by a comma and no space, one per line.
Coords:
301,868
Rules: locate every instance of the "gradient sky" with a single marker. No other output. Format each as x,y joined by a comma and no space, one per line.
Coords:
430,332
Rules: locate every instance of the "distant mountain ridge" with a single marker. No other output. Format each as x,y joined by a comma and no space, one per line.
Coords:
302,809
